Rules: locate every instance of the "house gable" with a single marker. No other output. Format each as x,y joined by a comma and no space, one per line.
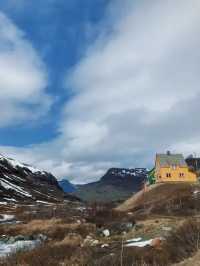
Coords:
172,168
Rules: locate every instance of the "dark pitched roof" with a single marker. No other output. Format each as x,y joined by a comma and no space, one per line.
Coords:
193,162
171,159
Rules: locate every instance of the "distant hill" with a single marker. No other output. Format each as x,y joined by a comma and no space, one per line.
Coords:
66,186
165,199
116,185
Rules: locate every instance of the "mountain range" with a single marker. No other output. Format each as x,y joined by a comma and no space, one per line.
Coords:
117,184
21,182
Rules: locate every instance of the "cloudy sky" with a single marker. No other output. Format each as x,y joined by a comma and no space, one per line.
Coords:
88,85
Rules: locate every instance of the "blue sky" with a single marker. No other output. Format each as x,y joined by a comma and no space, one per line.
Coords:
59,31
89,85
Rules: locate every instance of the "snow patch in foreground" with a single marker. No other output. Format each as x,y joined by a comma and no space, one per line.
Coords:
7,249
3,203
6,217
140,243
134,239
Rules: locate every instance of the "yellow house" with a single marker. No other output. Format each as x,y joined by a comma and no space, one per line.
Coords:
172,168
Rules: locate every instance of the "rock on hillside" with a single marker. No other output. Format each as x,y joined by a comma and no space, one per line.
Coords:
23,183
165,199
116,185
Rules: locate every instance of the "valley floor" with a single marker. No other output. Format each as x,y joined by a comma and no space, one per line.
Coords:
73,234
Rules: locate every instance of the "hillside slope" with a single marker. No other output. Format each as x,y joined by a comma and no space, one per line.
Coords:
116,185
165,198
23,183
66,186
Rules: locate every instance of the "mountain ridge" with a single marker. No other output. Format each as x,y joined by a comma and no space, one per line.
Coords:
117,184
22,182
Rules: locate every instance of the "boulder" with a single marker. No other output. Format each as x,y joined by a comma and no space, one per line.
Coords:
89,241
106,232
156,242
42,237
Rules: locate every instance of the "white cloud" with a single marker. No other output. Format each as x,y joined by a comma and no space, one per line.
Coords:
139,85
136,92
23,77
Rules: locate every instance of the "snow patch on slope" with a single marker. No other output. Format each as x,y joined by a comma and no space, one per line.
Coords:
7,185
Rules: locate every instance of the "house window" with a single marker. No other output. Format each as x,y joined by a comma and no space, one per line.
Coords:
168,175
181,174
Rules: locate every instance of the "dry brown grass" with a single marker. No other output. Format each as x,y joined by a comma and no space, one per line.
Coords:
68,252
64,211
73,239
104,214
43,225
55,229
64,246
133,257
171,199
184,242
155,227
192,261
48,255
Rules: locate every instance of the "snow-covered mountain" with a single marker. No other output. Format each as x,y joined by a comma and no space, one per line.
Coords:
21,182
117,184
114,173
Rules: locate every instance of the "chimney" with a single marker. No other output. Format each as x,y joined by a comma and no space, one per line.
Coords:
168,153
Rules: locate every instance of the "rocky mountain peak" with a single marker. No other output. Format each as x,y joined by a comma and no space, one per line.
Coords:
22,182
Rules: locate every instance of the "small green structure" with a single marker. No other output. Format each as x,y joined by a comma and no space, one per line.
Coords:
151,177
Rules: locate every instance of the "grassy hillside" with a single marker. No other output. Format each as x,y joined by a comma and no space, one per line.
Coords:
171,198
102,193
